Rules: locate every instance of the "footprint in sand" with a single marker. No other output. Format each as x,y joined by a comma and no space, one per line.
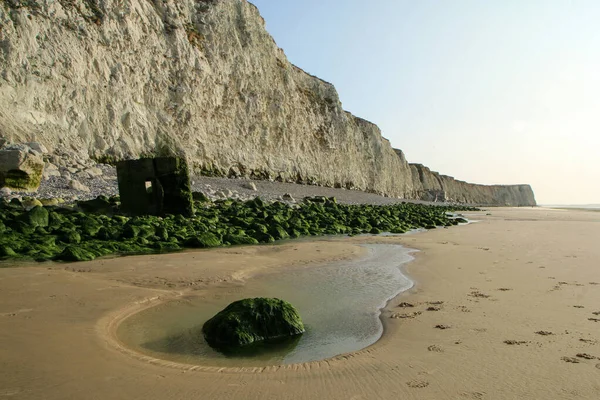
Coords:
435,303
442,326
578,307
594,319
432,308
417,384
503,289
405,305
586,356
477,294
435,348
406,315
515,342
473,395
544,333
572,360
596,313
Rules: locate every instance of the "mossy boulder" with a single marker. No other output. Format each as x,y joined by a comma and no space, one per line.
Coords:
73,253
248,321
37,216
203,240
20,168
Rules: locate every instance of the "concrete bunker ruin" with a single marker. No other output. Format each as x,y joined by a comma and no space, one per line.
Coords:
155,186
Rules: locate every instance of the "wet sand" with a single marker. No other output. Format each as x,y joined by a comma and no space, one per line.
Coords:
505,308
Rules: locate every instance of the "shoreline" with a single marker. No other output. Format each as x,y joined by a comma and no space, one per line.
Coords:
502,280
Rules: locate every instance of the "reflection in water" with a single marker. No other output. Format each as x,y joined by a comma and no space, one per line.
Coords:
339,304
192,343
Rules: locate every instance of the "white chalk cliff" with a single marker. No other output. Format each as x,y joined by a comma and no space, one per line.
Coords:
113,79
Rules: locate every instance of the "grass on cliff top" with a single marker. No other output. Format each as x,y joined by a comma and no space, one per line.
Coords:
96,228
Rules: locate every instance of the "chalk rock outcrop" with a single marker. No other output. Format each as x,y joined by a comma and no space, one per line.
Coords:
21,167
432,186
113,79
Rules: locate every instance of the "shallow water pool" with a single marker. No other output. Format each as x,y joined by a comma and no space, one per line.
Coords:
339,304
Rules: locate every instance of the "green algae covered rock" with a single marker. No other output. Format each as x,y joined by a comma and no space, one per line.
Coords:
72,253
203,240
248,321
68,234
37,216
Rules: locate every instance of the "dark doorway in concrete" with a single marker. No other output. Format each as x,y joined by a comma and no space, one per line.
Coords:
155,186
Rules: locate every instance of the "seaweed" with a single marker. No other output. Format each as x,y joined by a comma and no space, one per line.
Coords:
98,227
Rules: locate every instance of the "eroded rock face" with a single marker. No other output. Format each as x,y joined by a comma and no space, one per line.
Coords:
432,186
117,80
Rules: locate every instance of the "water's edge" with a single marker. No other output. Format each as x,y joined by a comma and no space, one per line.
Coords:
356,286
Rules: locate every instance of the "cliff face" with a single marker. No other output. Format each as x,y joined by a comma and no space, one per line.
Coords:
432,186
114,79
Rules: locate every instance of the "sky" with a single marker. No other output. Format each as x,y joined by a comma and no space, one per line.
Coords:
491,92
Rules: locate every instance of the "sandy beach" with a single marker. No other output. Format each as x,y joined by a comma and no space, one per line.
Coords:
505,308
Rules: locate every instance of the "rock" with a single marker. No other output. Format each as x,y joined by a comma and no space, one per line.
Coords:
199,196
51,202
37,216
252,320
203,240
74,253
76,185
5,192
37,147
48,166
288,197
73,170
94,172
250,186
3,142
20,169
82,175
28,203
100,204
50,170
220,194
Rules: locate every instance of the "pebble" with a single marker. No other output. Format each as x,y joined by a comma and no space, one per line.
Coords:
28,204
76,185
250,186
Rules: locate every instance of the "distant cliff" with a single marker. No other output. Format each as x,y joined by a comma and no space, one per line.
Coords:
113,79
432,186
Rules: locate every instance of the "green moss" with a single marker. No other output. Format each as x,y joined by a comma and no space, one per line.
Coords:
68,234
73,253
106,159
6,251
101,204
240,239
203,240
37,216
20,180
252,320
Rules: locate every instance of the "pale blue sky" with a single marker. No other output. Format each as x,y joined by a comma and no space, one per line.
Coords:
504,91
